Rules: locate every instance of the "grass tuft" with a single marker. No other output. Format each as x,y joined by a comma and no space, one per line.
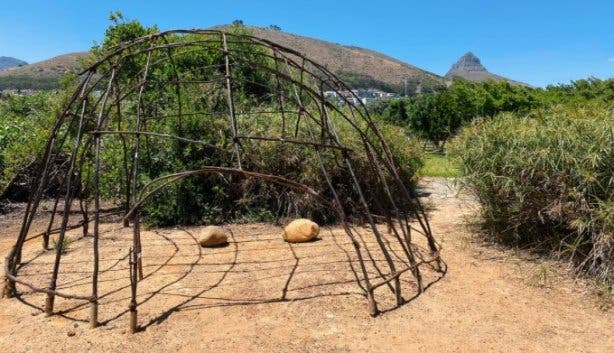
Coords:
62,246
439,165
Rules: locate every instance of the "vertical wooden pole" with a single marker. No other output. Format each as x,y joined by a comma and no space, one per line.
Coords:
137,234
97,146
133,284
67,205
136,265
94,313
280,96
86,217
94,302
50,225
134,272
371,303
231,107
126,169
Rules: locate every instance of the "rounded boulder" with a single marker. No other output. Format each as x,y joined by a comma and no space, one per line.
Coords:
211,236
300,231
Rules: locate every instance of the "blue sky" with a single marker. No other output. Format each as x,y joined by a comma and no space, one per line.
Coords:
538,42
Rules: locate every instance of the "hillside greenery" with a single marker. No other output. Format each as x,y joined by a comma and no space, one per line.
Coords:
438,116
357,80
29,82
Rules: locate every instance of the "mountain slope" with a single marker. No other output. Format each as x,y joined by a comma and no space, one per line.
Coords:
41,75
7,62
470,68
359,67
356,64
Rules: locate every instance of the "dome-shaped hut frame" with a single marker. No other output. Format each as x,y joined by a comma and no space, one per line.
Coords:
120,84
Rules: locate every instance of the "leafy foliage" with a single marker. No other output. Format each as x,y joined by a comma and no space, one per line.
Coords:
438,116
199,111
29,82
24,127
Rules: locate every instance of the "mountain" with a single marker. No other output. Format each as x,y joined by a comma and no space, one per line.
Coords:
7,62
359,67
41,75
470,68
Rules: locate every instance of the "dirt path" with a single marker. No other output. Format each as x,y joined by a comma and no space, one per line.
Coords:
260,294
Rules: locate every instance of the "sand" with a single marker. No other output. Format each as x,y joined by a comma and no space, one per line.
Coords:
262,294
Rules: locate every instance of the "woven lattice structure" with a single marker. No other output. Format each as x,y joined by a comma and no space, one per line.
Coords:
136,84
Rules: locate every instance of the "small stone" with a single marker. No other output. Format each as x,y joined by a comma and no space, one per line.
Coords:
71,333
212,236
300,231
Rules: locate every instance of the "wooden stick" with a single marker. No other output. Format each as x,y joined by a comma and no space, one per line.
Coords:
67,205
231,107
135,163
94,302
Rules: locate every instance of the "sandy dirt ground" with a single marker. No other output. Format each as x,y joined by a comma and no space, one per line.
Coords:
262,294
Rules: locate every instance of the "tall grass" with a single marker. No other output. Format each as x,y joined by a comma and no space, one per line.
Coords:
546,180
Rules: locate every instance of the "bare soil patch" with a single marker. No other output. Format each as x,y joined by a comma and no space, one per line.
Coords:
262,294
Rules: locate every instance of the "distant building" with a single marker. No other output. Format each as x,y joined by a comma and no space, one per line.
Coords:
9,91
355,96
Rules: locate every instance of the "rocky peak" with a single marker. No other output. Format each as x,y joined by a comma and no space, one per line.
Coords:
468,62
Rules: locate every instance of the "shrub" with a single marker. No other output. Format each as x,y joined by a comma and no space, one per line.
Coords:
216,199
545,180
438,116
203,105
204,117
25,121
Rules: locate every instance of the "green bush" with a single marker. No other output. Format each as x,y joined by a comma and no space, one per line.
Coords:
25,121
546,180
216,199
199,198
438,116
204,108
